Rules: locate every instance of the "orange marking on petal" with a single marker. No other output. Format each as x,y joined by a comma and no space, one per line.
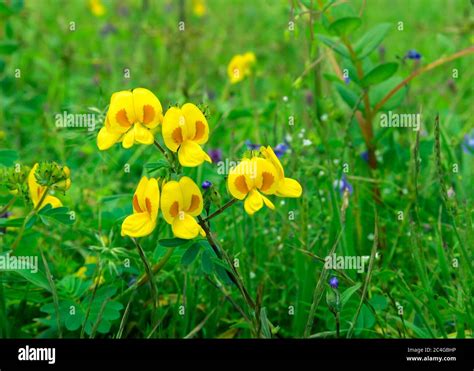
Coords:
136,205
148,114
267,182
174,209
148,205
177,135
200,130
241,184
122,119
195,200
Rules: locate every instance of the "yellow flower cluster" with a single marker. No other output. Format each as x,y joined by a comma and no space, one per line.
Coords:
240,66
133,117
38,193
255,177
181,201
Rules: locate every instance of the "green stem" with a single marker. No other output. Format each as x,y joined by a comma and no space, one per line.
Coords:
220,210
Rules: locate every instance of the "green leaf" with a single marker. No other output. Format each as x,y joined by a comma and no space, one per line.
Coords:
8,47
347,95
346,295
38,279
206,263
345,26
336,46
371,40
379,91
190,254
379,74
58,214
172,242
154,166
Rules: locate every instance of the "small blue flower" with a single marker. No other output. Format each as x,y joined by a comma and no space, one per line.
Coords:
468,143
334,282
343,185
215,155
252,146
280,149
347,80
365,156
413,54
206,184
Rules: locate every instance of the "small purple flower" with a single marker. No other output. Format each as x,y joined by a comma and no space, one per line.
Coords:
108,28
206,184
334,282
347,80
215,155
413,54
309,97
343,185
280,149
252,146
365,156
468,143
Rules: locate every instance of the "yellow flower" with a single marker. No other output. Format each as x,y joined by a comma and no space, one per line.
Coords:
240,66
180,202
37,192
97,8
81,273
130,118
287,187
184,129
98,281
146,202
249,179
199,7
252,177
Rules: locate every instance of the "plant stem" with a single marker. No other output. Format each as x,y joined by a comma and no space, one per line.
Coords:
221,209
53,291
8,205
419,71
148,271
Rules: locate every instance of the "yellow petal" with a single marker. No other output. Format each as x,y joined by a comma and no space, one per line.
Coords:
33,187
235,69
128,139
142,134
106,139
138,225
238,183
253,202
171,200
185,226
53,201
192,196
267,178
191,154
148,108
174,128
121,113
289,188
270,156
196,124
268,203
152,198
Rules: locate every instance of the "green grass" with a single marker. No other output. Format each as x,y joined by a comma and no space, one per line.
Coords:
424,262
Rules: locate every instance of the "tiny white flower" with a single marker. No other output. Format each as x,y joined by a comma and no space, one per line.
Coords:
306,142
324,117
